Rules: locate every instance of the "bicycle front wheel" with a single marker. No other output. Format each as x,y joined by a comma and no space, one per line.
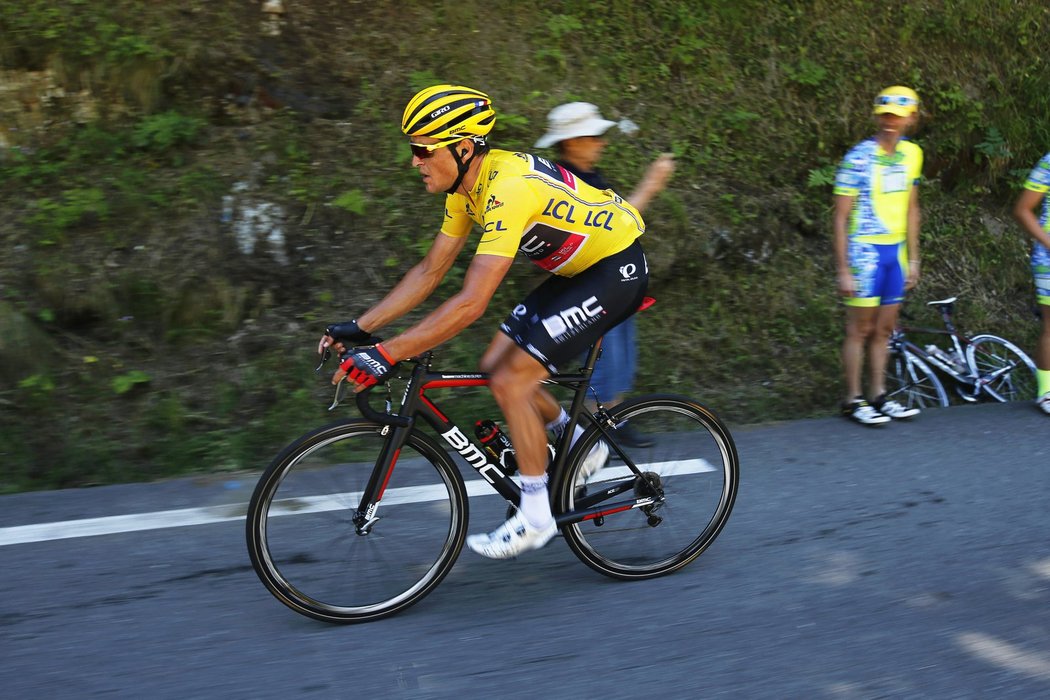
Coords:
911,382
1003,370
658,522
309,552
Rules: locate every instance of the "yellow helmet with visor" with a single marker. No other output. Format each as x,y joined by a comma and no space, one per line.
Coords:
448,113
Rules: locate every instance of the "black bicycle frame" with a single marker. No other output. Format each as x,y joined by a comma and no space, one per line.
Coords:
417,404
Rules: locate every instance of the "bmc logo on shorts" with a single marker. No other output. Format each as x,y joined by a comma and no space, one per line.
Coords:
573,319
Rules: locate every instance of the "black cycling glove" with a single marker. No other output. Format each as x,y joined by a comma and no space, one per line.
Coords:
349,333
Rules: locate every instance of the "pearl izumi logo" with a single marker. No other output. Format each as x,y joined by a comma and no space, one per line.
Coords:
572,320
627,272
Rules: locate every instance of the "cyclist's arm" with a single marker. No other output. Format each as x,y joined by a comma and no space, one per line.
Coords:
1024,212
840,225
462,309
914,223
417,284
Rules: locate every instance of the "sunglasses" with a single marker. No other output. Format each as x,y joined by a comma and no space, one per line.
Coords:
426,150
899,100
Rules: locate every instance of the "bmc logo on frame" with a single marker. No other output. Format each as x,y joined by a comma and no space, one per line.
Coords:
573,319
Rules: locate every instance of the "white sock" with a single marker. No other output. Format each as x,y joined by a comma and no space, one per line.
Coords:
535,503
558,424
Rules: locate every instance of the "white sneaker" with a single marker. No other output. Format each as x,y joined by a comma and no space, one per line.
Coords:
595,460
1043,402
889,407
513,537
862,412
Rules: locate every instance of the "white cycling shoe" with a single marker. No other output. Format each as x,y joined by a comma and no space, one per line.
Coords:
595,460
889,407
513,537
1043,402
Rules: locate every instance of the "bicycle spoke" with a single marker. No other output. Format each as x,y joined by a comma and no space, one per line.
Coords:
1005,372
692,462
910,382
305,544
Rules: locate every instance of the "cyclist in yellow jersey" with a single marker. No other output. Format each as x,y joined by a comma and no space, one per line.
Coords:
522,203
528,203
876,237
1032,198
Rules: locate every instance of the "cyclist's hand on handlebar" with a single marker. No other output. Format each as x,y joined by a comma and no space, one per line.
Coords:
339,335
365,367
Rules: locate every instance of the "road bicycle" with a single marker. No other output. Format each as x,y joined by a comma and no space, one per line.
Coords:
981,367
360,519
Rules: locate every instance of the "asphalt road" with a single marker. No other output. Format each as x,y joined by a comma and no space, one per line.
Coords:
908,561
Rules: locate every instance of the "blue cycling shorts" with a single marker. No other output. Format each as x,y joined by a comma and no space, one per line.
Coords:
1041,273
879,273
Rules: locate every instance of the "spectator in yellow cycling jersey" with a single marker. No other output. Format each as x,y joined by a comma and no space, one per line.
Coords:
1034,195
586,237
876,242
575,130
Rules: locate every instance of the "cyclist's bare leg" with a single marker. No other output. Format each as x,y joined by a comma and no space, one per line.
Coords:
515,384
860,322
1042,355
878,346
500,347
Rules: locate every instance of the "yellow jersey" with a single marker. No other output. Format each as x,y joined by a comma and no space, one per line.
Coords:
530,204
882,184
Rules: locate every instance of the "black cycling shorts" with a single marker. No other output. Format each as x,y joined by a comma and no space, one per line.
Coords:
564,316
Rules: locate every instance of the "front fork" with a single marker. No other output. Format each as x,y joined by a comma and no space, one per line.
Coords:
365,516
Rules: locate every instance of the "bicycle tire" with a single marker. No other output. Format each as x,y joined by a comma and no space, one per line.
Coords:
911,382
987,353
699,471
305,548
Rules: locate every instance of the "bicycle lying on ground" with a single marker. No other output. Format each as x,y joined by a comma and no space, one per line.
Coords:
983,366
362,518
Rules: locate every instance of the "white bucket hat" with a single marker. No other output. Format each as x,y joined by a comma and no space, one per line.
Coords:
571,121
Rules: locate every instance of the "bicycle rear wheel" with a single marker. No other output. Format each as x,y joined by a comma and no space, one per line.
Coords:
911,382
690,478
1004,371
306,549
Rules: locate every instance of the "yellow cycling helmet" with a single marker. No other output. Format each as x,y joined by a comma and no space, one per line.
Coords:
899,100
448,113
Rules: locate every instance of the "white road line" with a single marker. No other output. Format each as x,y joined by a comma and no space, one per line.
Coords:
184,517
